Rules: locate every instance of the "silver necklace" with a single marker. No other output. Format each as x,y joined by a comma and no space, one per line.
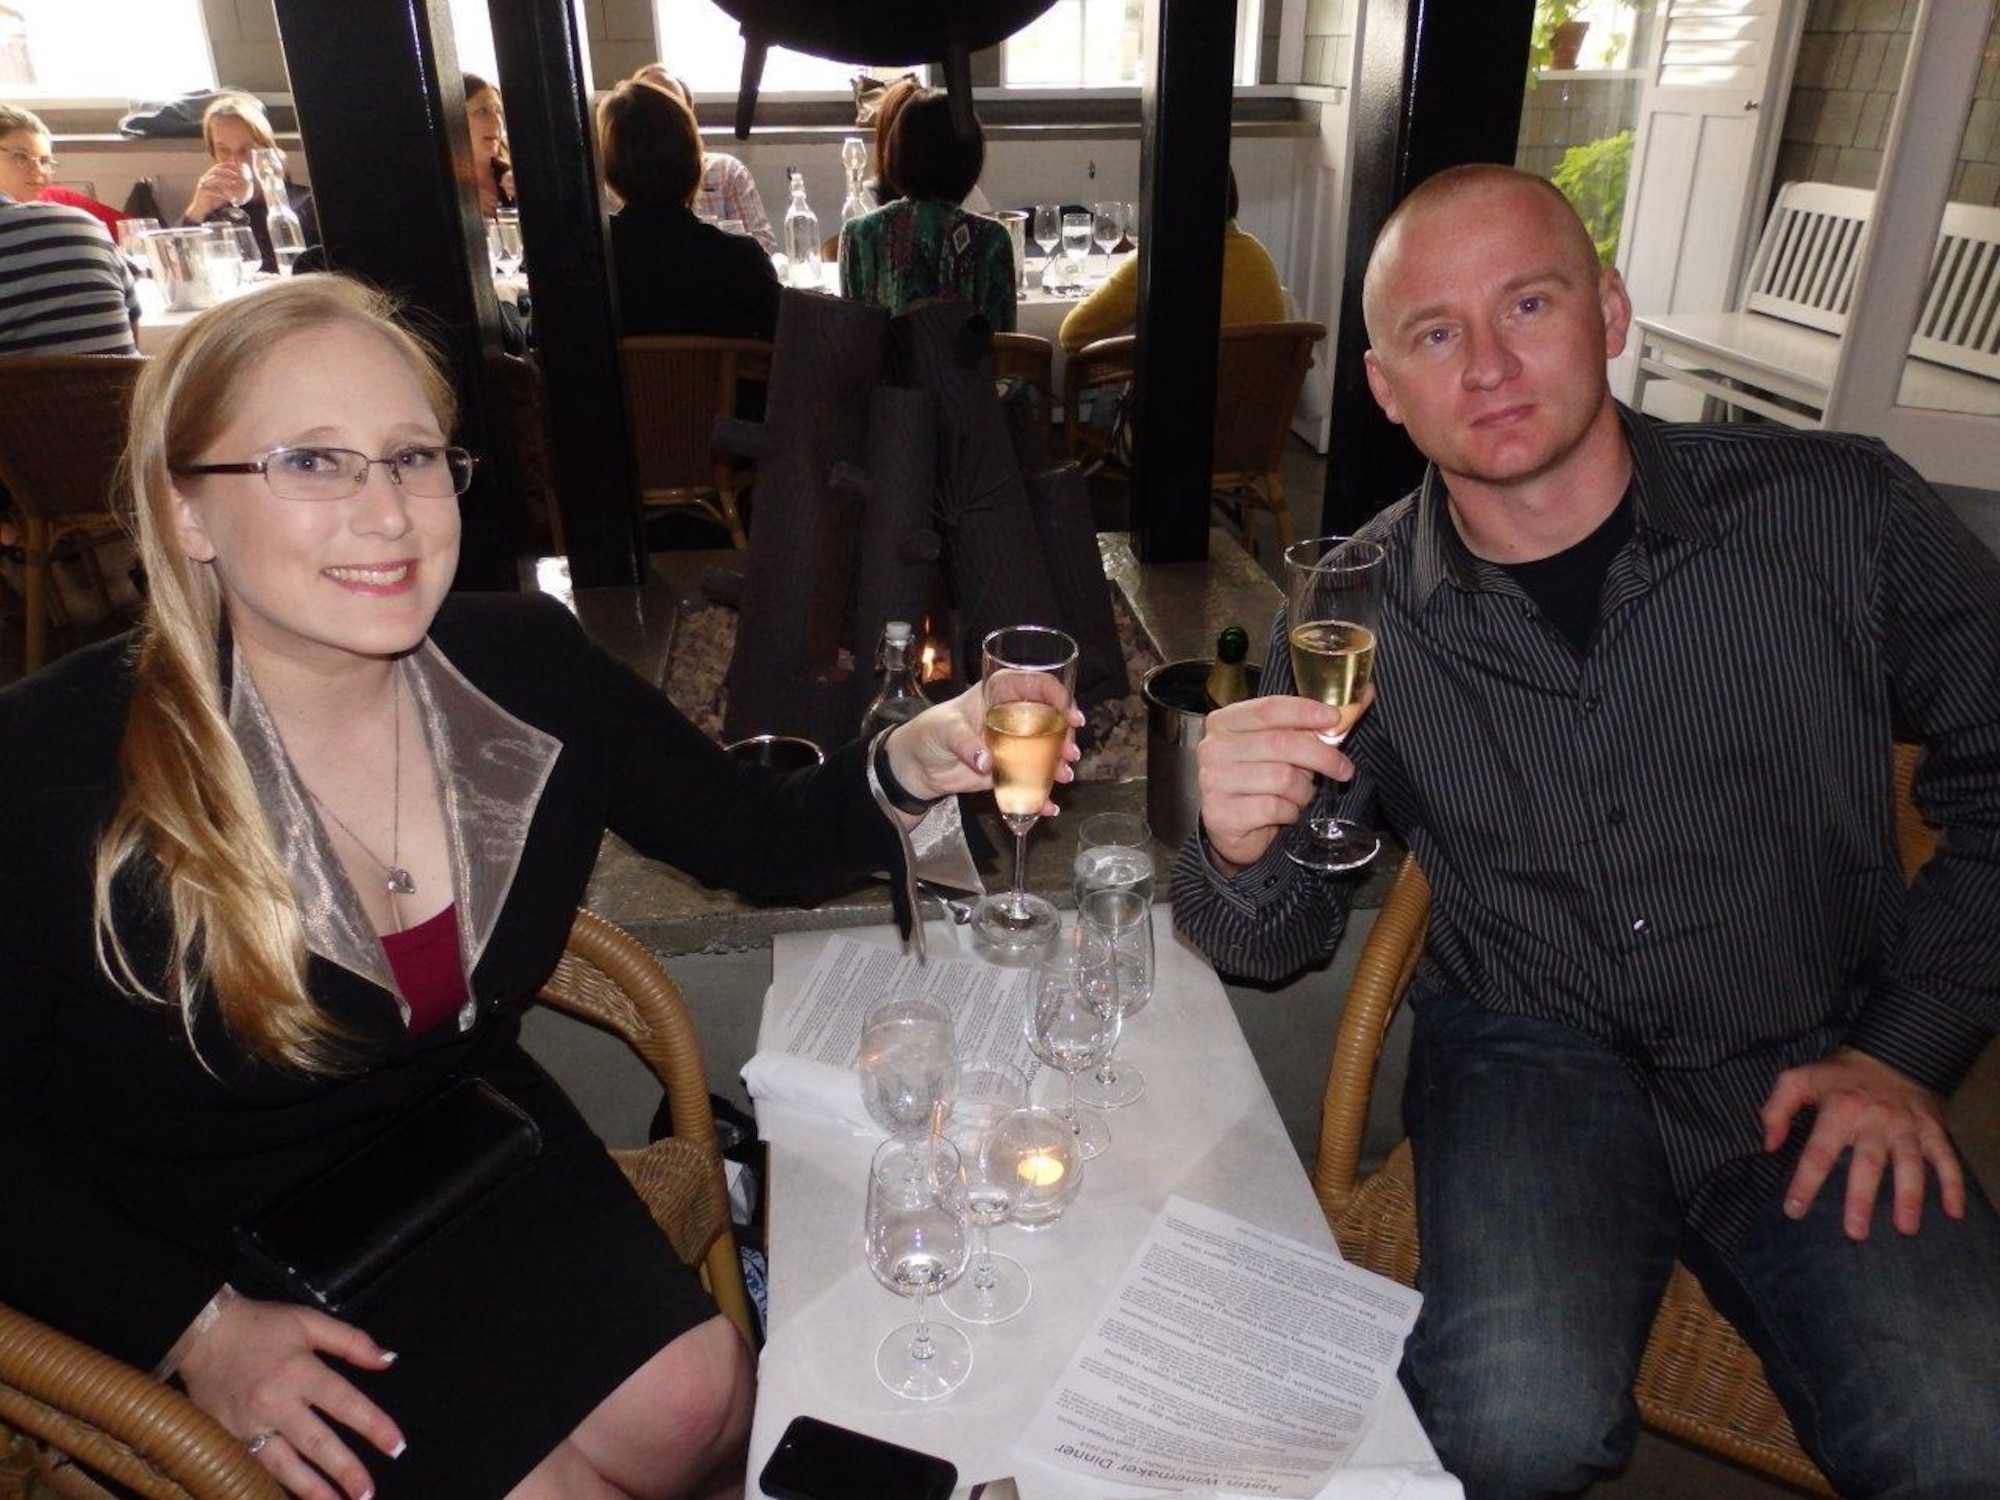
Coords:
398,882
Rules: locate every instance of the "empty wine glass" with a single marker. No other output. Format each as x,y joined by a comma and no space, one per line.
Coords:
994,1287
908,1065
1048,227
916,1244
1132,225
1029,678
1039,1149
1073,1022
1107,228
1333,591
507,227
1123,920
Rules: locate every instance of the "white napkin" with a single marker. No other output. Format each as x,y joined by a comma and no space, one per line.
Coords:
823,1089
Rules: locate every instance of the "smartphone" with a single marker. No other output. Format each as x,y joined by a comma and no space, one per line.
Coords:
816,1460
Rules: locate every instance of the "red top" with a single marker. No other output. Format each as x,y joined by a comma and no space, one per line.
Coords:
426,964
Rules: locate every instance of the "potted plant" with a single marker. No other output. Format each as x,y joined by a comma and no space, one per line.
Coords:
1557,38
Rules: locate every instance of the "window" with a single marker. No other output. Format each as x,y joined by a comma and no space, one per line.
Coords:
1095,44
116,49
706,53
472,33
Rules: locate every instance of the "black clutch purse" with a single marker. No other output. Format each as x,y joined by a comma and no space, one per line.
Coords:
336,1242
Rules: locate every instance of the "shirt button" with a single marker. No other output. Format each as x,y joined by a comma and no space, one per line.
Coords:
1663,1034
1591,702
1641,926
1615,816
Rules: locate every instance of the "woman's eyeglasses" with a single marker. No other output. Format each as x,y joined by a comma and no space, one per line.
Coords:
26,162
430,471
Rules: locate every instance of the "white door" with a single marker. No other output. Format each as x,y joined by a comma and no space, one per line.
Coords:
1717,75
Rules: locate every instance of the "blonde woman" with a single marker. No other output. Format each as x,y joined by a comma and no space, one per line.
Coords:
233,127
284,863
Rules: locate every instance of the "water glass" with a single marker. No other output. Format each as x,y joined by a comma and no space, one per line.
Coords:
1037,1148
1132,225
1076,251
914,1234
225,271
246,249
1114,851
1016,224
909,1063
1124,923
1073,1022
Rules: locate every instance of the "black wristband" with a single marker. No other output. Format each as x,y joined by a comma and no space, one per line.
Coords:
899,796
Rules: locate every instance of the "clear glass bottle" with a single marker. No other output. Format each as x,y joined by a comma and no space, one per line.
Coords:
288,236
854,157
802,236
901,696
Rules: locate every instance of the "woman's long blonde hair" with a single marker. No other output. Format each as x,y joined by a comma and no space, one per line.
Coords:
190,824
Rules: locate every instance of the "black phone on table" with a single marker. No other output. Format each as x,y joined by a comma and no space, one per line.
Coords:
816,1460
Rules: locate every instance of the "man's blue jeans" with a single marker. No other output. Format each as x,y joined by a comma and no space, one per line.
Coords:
1549,1226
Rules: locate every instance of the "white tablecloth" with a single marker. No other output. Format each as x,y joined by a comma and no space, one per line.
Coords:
1206,1129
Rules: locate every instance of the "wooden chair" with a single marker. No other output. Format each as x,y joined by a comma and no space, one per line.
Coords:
676,386
1697,1379
72,1408
1260,369
1030,360
62,427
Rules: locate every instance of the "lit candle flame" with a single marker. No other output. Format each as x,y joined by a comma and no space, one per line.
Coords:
1041,1169
930,660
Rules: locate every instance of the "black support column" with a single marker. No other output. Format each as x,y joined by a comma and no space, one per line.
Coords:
382,112
1183,187
545,79
1440,84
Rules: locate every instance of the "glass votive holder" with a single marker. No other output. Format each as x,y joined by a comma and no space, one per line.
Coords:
1037,1149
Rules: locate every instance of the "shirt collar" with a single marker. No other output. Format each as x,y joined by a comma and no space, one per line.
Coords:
1661,503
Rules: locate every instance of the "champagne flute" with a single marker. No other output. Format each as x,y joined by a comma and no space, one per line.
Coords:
1029,677
994,1287
1123,920
1107,228
1073,1023
908,1063
1333,587
916,1245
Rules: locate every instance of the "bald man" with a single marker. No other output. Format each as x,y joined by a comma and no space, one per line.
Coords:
1634,699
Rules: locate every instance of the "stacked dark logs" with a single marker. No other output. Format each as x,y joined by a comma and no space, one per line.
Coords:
886,453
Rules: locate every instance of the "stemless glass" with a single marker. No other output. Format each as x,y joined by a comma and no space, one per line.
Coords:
1123,921
1333,591
915,1238
1076,251
1037,1148
994,1287
1073,1022
1107,228
1029,677
909,1062
246,249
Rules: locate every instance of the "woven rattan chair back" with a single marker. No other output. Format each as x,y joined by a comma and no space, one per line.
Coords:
62,427
67,1410
675,388
1698,1380
1030,360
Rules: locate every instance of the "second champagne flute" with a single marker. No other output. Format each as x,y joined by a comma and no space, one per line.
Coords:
1029,677
1333,599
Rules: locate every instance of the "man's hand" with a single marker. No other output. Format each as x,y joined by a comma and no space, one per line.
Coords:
1888,1119
1256,766
257,1370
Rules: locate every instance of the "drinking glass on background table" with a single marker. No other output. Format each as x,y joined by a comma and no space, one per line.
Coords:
129,243
1076,249
916,1243
1038,1149
1123,921
1029,673
225,270
1048,227
1107,228
246,249
1132,225
1333,589
909,1063
994,1287
506,232
1073,1022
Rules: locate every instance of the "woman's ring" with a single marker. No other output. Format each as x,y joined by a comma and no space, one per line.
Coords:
256,1444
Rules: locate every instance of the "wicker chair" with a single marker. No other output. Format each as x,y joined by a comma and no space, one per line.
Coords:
1030,360
1697,1379
1259,370
62,427
70,1406
676,387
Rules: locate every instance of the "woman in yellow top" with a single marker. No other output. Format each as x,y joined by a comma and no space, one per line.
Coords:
1250,290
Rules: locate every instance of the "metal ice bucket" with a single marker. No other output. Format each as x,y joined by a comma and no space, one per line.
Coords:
180,268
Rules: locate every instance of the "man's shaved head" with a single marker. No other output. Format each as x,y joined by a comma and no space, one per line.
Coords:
1449,187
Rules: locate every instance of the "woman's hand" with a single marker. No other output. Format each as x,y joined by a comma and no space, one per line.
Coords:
257,1370
222,184
942,751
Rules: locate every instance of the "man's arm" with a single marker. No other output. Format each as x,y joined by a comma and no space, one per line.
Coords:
1937,1000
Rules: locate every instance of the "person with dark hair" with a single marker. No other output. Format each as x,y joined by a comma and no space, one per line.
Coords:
728,191
925,244
493,171
675,273
1251,291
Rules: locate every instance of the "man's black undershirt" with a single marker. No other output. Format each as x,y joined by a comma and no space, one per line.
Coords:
1569,586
